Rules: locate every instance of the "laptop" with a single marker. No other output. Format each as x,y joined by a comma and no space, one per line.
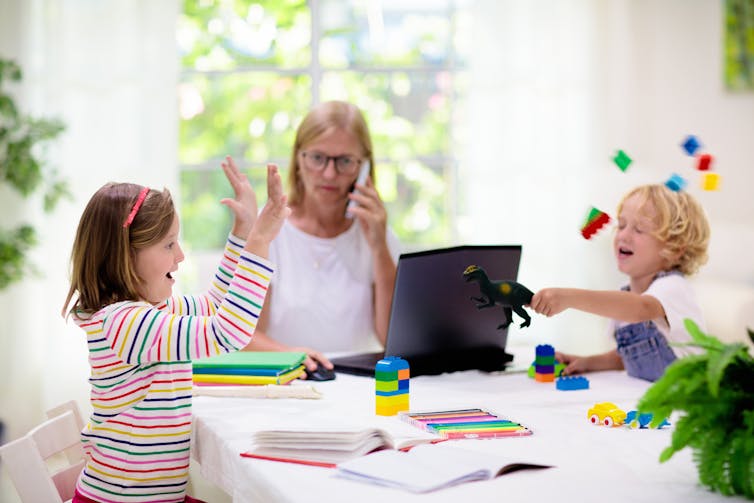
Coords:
434,324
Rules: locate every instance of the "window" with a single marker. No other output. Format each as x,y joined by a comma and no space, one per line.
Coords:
251,69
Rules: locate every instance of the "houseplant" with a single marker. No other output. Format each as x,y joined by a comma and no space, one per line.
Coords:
714,393
23,169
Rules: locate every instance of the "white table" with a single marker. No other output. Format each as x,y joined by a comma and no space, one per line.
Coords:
592,463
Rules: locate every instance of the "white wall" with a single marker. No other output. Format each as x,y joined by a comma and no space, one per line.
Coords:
558,87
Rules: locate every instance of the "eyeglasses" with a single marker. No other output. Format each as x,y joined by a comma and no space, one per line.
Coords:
317,161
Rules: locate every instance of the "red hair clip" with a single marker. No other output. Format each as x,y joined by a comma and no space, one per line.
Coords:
137,205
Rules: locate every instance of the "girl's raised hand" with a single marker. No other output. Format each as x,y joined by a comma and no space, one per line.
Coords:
244,204
273,214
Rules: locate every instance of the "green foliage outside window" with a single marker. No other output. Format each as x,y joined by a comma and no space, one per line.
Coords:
739,45
249,77
23,169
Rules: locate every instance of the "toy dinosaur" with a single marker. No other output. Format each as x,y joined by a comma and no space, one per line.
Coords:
508,294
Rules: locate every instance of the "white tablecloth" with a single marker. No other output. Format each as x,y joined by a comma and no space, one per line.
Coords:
592,463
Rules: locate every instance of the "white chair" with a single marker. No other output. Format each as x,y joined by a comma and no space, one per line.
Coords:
26,460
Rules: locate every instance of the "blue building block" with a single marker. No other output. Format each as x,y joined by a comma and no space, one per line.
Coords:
571,383
675,183
641,421
691,144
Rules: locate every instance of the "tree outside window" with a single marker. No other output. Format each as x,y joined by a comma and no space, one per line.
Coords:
251,70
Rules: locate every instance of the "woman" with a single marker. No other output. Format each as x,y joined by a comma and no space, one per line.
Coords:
337,273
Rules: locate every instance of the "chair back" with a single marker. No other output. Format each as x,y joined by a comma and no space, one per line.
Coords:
26,460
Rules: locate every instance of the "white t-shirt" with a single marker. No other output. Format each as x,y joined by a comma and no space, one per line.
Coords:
677,298
322,292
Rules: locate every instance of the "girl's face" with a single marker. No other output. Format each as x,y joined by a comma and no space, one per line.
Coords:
326,186
636,248
155,265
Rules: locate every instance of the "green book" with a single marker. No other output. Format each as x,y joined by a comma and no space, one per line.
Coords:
252,359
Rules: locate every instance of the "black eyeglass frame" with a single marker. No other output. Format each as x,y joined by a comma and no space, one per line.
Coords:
337,160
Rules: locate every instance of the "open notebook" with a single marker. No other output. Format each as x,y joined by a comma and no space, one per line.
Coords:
433,322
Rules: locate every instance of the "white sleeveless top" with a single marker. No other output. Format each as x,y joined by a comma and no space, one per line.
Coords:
322,292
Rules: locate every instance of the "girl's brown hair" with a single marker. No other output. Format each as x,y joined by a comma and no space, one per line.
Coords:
102,259
322,119
681,223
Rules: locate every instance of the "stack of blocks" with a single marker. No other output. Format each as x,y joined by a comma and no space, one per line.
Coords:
391,376
544,363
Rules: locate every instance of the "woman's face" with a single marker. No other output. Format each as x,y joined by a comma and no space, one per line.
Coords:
326,185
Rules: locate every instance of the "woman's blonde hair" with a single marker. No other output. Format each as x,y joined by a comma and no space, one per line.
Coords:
682,226
322,119
102,259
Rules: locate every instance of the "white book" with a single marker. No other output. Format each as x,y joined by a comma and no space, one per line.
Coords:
428,468
328,445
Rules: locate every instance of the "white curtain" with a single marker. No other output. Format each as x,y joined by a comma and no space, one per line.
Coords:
108,69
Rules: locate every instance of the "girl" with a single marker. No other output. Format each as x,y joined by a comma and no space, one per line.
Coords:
141,339
662,237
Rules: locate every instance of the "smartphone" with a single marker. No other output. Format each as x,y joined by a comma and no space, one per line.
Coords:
361,179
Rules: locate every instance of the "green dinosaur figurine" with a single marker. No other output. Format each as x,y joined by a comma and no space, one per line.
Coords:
509,294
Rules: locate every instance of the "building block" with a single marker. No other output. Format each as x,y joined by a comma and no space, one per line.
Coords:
675,182
594,222
635,420
711,181
558,369
705,162
691,144
391,386
571,383
622,160
544,363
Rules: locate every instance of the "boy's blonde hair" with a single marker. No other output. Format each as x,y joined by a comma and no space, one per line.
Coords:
102,259
681,224
322,119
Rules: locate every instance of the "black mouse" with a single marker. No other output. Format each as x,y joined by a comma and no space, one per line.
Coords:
321,373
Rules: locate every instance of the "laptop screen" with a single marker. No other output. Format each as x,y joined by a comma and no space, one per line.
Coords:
434,324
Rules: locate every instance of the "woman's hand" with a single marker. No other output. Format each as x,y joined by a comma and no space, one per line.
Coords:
313,358
244,204
371,214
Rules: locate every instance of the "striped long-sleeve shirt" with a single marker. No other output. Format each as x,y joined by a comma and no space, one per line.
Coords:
138,439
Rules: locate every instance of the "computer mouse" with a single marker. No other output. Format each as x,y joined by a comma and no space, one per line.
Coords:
321,373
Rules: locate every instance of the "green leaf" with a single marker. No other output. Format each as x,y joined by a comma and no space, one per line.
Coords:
718,363
23,168
699,337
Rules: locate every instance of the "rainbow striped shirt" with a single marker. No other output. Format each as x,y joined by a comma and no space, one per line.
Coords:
138,439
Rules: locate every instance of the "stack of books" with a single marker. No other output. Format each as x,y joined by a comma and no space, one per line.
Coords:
249,368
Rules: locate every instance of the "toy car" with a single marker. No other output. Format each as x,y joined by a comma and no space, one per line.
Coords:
606,413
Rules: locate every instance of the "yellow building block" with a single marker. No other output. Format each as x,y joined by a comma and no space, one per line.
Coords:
711,181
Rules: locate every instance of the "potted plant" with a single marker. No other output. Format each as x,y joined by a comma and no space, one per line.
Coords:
714,393
22,169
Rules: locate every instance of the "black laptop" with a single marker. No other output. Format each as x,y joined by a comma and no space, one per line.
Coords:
434,324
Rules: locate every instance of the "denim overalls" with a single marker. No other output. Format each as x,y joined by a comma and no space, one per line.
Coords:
642,347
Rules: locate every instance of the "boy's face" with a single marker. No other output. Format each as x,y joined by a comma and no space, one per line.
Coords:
155,265
636,248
